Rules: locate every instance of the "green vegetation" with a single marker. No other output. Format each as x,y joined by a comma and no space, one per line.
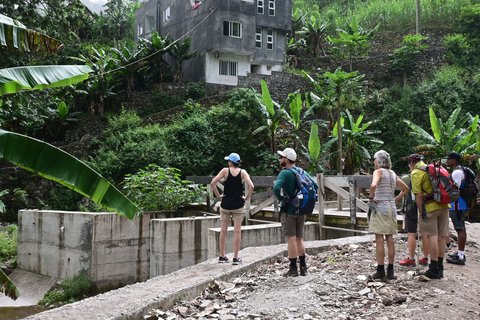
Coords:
8,243
156,188
68,291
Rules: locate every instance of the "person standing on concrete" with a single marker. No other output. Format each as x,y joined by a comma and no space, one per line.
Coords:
432,218
383,221
411,227
458,209
293,223
232,203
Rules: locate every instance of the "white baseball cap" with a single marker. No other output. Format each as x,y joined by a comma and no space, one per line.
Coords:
288,153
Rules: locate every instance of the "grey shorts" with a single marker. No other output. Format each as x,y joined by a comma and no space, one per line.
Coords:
292,224
458,219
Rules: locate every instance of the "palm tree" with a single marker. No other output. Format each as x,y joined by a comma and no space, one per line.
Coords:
317,154
180,52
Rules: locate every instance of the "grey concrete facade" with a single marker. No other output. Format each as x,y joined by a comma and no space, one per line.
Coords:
231,37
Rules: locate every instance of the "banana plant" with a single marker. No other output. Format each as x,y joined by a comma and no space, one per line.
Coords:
458,133
318,155
273,112
358,138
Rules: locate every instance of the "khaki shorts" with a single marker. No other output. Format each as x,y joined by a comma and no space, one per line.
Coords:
436,223
236,214
292,224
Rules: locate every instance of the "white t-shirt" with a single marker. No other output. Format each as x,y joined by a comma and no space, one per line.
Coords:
458,176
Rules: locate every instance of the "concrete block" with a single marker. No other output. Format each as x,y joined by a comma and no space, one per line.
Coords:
180,242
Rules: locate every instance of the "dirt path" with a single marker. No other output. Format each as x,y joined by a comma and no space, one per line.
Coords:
336,288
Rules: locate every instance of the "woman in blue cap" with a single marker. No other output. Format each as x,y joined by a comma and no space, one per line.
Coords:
233,201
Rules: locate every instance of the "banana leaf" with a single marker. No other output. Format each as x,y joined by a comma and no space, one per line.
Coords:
57,165
15,35
13,80
8,287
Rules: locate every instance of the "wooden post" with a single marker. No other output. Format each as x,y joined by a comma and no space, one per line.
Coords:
321,207
247,206
209,196
353,203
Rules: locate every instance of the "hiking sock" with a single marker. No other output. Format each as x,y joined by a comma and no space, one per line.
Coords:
293,263
302,261
461,254
390,266
381,269
440,262
434,265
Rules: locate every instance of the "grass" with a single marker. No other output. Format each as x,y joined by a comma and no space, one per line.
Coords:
392,15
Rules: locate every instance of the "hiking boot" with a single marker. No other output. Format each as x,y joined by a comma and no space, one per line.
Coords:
237,261
456,260
292,272
440,272
378,276
407,262
391,274
423,261
429,273
303,271
223,259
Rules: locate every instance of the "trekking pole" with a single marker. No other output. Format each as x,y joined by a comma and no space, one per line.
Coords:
417,253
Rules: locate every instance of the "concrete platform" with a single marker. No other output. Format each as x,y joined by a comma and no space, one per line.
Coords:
134,301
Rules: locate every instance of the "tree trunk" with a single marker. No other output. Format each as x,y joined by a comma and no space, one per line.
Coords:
340,144
418,14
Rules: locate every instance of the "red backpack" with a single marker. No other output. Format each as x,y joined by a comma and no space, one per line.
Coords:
444,189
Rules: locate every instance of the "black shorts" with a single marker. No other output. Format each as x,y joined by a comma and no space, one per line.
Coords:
411,222
458,219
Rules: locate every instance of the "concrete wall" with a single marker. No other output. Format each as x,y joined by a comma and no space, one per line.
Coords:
179,243
256,236
109,249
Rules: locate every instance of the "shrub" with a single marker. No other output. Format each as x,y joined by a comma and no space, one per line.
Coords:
195,90
127,146
69,290
458,50
156,188
8,242
189,145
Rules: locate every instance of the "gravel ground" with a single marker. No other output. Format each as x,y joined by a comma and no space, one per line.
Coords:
336,287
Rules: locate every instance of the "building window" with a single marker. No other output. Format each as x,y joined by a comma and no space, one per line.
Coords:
232,29
227,68
271,7
140,30
258,38
270,39
260,6
166,14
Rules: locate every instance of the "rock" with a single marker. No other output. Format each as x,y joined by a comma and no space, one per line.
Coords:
306,316
364,291
399,299
361,277
423,278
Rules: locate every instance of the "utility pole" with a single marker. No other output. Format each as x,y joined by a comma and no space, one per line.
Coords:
418,14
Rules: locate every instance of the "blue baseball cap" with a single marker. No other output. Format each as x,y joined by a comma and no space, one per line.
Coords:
233,157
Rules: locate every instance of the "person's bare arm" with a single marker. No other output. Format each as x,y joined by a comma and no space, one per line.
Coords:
248,181
221,175
376,179
403,189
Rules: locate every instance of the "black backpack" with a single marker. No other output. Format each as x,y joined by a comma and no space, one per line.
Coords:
469,189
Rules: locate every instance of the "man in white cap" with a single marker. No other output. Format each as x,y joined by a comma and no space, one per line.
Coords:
233,201
292,223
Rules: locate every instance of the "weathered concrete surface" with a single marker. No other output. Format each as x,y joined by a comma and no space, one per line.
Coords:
178,243
134,301
256,236
111,250
32,288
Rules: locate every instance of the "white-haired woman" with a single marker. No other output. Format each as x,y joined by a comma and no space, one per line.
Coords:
383,221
